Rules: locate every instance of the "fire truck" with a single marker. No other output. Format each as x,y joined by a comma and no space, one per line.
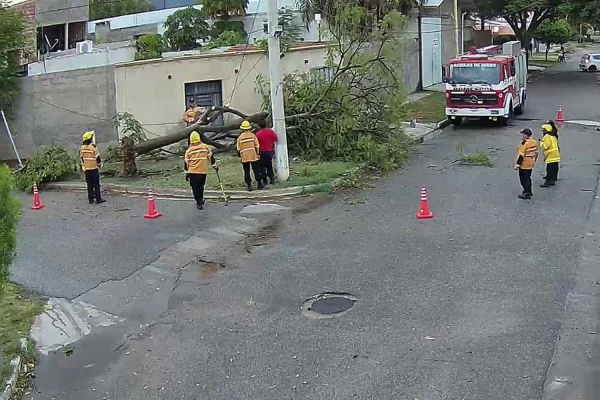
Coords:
488,83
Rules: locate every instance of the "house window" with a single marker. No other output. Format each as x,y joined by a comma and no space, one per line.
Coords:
205,94
321,74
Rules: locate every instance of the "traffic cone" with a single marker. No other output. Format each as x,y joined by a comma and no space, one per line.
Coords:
37,204
424,211
559,115
151,213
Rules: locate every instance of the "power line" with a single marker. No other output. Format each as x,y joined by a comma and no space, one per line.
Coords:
244,54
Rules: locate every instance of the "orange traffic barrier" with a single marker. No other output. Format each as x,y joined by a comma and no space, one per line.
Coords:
151,212
424,211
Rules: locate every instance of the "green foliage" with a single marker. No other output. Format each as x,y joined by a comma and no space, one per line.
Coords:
226,38
515,13
149,47
219,27
9,213
223,9
130,127
553,32
351,110
49,164
477,158
12,40
292,32
184,28
373,10
501,39
100,9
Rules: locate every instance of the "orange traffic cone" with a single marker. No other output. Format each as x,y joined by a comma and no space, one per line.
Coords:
424,211
559,115
37,204
151,213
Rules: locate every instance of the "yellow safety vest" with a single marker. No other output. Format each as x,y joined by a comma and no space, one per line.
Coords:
197,158
549,145
248,147
89,155
528,149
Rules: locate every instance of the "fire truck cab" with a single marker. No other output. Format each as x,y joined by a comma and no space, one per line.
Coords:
488,83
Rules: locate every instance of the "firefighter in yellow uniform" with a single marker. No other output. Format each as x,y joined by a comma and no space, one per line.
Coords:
90,163
549,145
197,157
248,151
527,153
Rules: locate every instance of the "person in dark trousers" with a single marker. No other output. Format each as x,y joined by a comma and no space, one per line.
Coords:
527,153
248,150
549,145
266,140
197,157
90,164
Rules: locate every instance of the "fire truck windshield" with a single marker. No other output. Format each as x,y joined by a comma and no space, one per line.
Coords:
476,73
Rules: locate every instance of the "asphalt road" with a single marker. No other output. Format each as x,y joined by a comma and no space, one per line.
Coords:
465,306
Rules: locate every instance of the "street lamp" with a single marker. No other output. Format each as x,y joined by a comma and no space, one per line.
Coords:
318,21
495,29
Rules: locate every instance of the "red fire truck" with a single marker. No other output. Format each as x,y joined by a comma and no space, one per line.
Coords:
488,83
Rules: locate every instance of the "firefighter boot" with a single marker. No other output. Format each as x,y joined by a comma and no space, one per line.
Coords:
249,187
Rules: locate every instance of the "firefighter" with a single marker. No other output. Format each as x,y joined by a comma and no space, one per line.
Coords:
90,164
197,157
549,145
192,114
527,153
248,150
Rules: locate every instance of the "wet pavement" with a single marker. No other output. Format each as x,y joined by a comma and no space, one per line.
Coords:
468,305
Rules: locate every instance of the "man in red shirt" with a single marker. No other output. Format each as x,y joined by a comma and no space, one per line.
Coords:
266,139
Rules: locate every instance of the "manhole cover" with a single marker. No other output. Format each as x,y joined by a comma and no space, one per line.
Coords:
328,305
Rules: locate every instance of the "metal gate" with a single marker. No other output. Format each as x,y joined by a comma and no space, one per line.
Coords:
206,94
431,40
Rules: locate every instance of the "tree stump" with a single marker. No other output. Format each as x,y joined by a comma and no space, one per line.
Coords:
128,154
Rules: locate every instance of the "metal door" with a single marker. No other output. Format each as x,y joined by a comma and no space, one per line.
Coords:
431,40
206,94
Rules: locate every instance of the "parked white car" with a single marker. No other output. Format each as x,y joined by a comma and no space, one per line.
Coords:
590,63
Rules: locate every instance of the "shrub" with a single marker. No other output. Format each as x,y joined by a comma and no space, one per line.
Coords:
9,212
149,47
46,165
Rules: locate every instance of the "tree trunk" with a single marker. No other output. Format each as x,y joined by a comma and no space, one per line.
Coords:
128,156
202,129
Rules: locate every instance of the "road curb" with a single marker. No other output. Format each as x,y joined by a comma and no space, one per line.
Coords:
234,194
15,365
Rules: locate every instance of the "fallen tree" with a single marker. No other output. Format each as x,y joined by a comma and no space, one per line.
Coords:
353,112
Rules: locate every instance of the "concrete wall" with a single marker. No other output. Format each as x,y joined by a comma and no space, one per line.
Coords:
54,12
411,69
154,91
100,57
58,108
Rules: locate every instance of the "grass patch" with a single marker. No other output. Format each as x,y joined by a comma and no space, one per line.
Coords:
431,108
17,313
476,158
168,173
540,60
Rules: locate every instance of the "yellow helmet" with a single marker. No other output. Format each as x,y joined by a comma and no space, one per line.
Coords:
245,126
547,128
87,136
194,137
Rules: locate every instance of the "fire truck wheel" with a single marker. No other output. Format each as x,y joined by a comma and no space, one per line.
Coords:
456,121
520,109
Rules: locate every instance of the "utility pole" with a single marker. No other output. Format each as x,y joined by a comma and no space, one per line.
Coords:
456,35
276,82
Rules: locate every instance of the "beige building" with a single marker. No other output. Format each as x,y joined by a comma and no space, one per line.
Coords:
156,92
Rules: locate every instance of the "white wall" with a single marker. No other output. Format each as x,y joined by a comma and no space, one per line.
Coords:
98,58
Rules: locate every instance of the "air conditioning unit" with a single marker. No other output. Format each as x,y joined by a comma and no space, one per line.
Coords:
84,47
